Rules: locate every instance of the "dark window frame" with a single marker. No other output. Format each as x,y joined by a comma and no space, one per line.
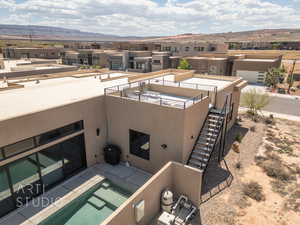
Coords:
8,173
36,143
135,149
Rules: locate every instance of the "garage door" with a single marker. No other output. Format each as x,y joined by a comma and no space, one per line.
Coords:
252,76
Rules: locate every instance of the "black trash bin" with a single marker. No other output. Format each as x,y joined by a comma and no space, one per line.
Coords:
112,154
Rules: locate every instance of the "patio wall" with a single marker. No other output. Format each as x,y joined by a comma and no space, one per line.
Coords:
179,178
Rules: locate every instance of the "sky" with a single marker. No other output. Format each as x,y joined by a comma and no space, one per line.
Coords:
153,17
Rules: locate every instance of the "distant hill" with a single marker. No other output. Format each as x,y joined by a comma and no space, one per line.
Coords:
55,33
58,33
265,35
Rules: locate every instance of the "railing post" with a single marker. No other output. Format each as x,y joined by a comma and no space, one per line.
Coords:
184,105
160,101
179,84
201,96
139,97
197,86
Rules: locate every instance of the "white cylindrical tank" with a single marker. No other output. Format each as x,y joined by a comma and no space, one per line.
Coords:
167,201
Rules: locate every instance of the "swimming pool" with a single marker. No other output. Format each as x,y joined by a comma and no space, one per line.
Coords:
92,207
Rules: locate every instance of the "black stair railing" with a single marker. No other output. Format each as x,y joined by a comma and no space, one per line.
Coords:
220,121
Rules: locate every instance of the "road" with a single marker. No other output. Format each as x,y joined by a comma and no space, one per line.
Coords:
284,105
279,103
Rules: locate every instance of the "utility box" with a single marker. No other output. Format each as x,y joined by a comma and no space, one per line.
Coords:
166,219
139,211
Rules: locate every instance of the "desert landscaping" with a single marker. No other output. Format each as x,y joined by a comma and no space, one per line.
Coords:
263,157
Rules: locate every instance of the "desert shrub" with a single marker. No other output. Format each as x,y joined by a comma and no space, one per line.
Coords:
254,190
279,187
276,170
255,101
253,128
238,138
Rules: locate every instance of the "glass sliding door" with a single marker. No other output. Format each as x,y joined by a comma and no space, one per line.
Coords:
7,203
51,165
73,155
25,178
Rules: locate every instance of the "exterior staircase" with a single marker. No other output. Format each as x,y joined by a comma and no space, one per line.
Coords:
212,132
207,140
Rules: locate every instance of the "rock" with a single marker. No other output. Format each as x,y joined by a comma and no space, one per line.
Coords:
236,146
242,213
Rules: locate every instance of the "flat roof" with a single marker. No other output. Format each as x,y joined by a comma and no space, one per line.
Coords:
257,60
220,84
207,58
51,93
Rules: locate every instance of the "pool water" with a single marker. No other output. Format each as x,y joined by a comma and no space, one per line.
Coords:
92,207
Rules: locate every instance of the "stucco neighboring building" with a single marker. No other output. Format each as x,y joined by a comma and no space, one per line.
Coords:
192,48
254,67
154,118
43,53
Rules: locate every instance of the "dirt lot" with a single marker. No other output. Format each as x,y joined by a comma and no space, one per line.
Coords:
266,185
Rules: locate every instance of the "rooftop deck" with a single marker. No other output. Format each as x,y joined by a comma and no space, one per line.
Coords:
144,91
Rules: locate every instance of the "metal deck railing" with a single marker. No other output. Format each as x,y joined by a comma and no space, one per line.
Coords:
124,91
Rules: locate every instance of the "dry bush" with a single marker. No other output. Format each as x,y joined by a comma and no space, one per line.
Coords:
253,128
254,190
276,170
279,187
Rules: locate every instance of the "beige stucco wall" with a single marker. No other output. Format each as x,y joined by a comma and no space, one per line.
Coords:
194,118
91,111
165,125
174,176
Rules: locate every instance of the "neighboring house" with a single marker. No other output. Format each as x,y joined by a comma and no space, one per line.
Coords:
254,67
89,57
26,53
192,48
154,118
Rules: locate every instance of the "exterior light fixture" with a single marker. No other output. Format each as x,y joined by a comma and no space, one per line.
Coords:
164,146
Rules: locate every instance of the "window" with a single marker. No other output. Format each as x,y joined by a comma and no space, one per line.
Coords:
73,155
51,164
6,200
33,142
59,133
187,49
19,147
25,178
28,177
1,154
156,61
139,144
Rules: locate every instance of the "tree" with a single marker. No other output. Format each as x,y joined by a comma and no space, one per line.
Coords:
290,78
274,76
255,101
184,65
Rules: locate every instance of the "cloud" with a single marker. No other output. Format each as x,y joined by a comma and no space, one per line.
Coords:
146,17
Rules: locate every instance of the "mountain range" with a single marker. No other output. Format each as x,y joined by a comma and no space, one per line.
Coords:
64,34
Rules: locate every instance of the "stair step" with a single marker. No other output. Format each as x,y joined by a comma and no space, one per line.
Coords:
197,157
205,144
197,164
202,148
201,152
211,135
211,130
207,139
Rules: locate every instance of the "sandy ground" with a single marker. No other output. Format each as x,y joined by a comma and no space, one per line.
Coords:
281,205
